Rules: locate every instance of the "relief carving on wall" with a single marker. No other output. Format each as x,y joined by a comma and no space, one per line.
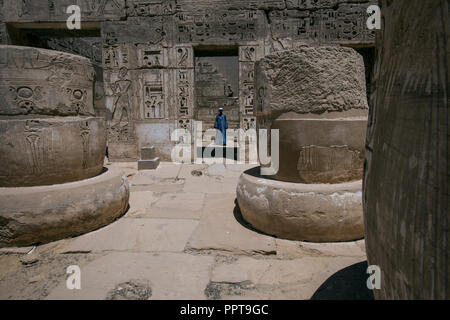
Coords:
121,126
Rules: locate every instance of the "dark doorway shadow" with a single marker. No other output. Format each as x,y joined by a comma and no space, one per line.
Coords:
346,284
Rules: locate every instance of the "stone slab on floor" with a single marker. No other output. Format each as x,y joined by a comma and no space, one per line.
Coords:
165,170
177,206
204,184
169,275
142,235
287,249
140,201
219,230
251,278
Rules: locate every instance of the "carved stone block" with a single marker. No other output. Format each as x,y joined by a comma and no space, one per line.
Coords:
39,81
311,80
56,10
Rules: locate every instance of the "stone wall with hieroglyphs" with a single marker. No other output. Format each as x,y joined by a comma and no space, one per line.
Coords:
147,53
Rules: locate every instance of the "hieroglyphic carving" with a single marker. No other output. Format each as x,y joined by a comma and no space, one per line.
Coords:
151,30
77,97
25,97
115,56
151,57
247,88
315,158
149,8
184,56
247,53
154,101
346,23
248,123
184,80
56,10
213,25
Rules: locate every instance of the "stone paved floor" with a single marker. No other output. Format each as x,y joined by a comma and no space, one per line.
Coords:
183,238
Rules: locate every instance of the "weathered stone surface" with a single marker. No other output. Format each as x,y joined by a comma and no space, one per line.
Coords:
4,38
251,278
177,206
148,153
47,213
170,276
320,150
310,79
137,234
44,10
406,189
43,151
219,230
45,82
156,44
310,212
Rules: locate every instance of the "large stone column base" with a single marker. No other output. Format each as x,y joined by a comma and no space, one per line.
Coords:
305,212
31,215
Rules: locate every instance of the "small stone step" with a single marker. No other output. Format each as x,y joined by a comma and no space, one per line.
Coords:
150,164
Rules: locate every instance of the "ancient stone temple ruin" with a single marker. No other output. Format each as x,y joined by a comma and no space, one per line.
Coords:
316,98
162,64
354,172
52,181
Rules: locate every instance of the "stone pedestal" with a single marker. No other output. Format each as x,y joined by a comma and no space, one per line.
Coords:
52,148
148,161
316,98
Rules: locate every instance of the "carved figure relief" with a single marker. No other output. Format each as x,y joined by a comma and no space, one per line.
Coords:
35,145
120,127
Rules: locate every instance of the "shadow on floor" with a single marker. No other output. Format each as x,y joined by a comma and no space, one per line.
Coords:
346,284
239,218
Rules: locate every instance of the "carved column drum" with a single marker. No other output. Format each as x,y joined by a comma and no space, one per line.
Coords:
48,130
316,98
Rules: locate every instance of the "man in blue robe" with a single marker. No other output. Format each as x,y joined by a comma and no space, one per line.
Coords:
221,125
